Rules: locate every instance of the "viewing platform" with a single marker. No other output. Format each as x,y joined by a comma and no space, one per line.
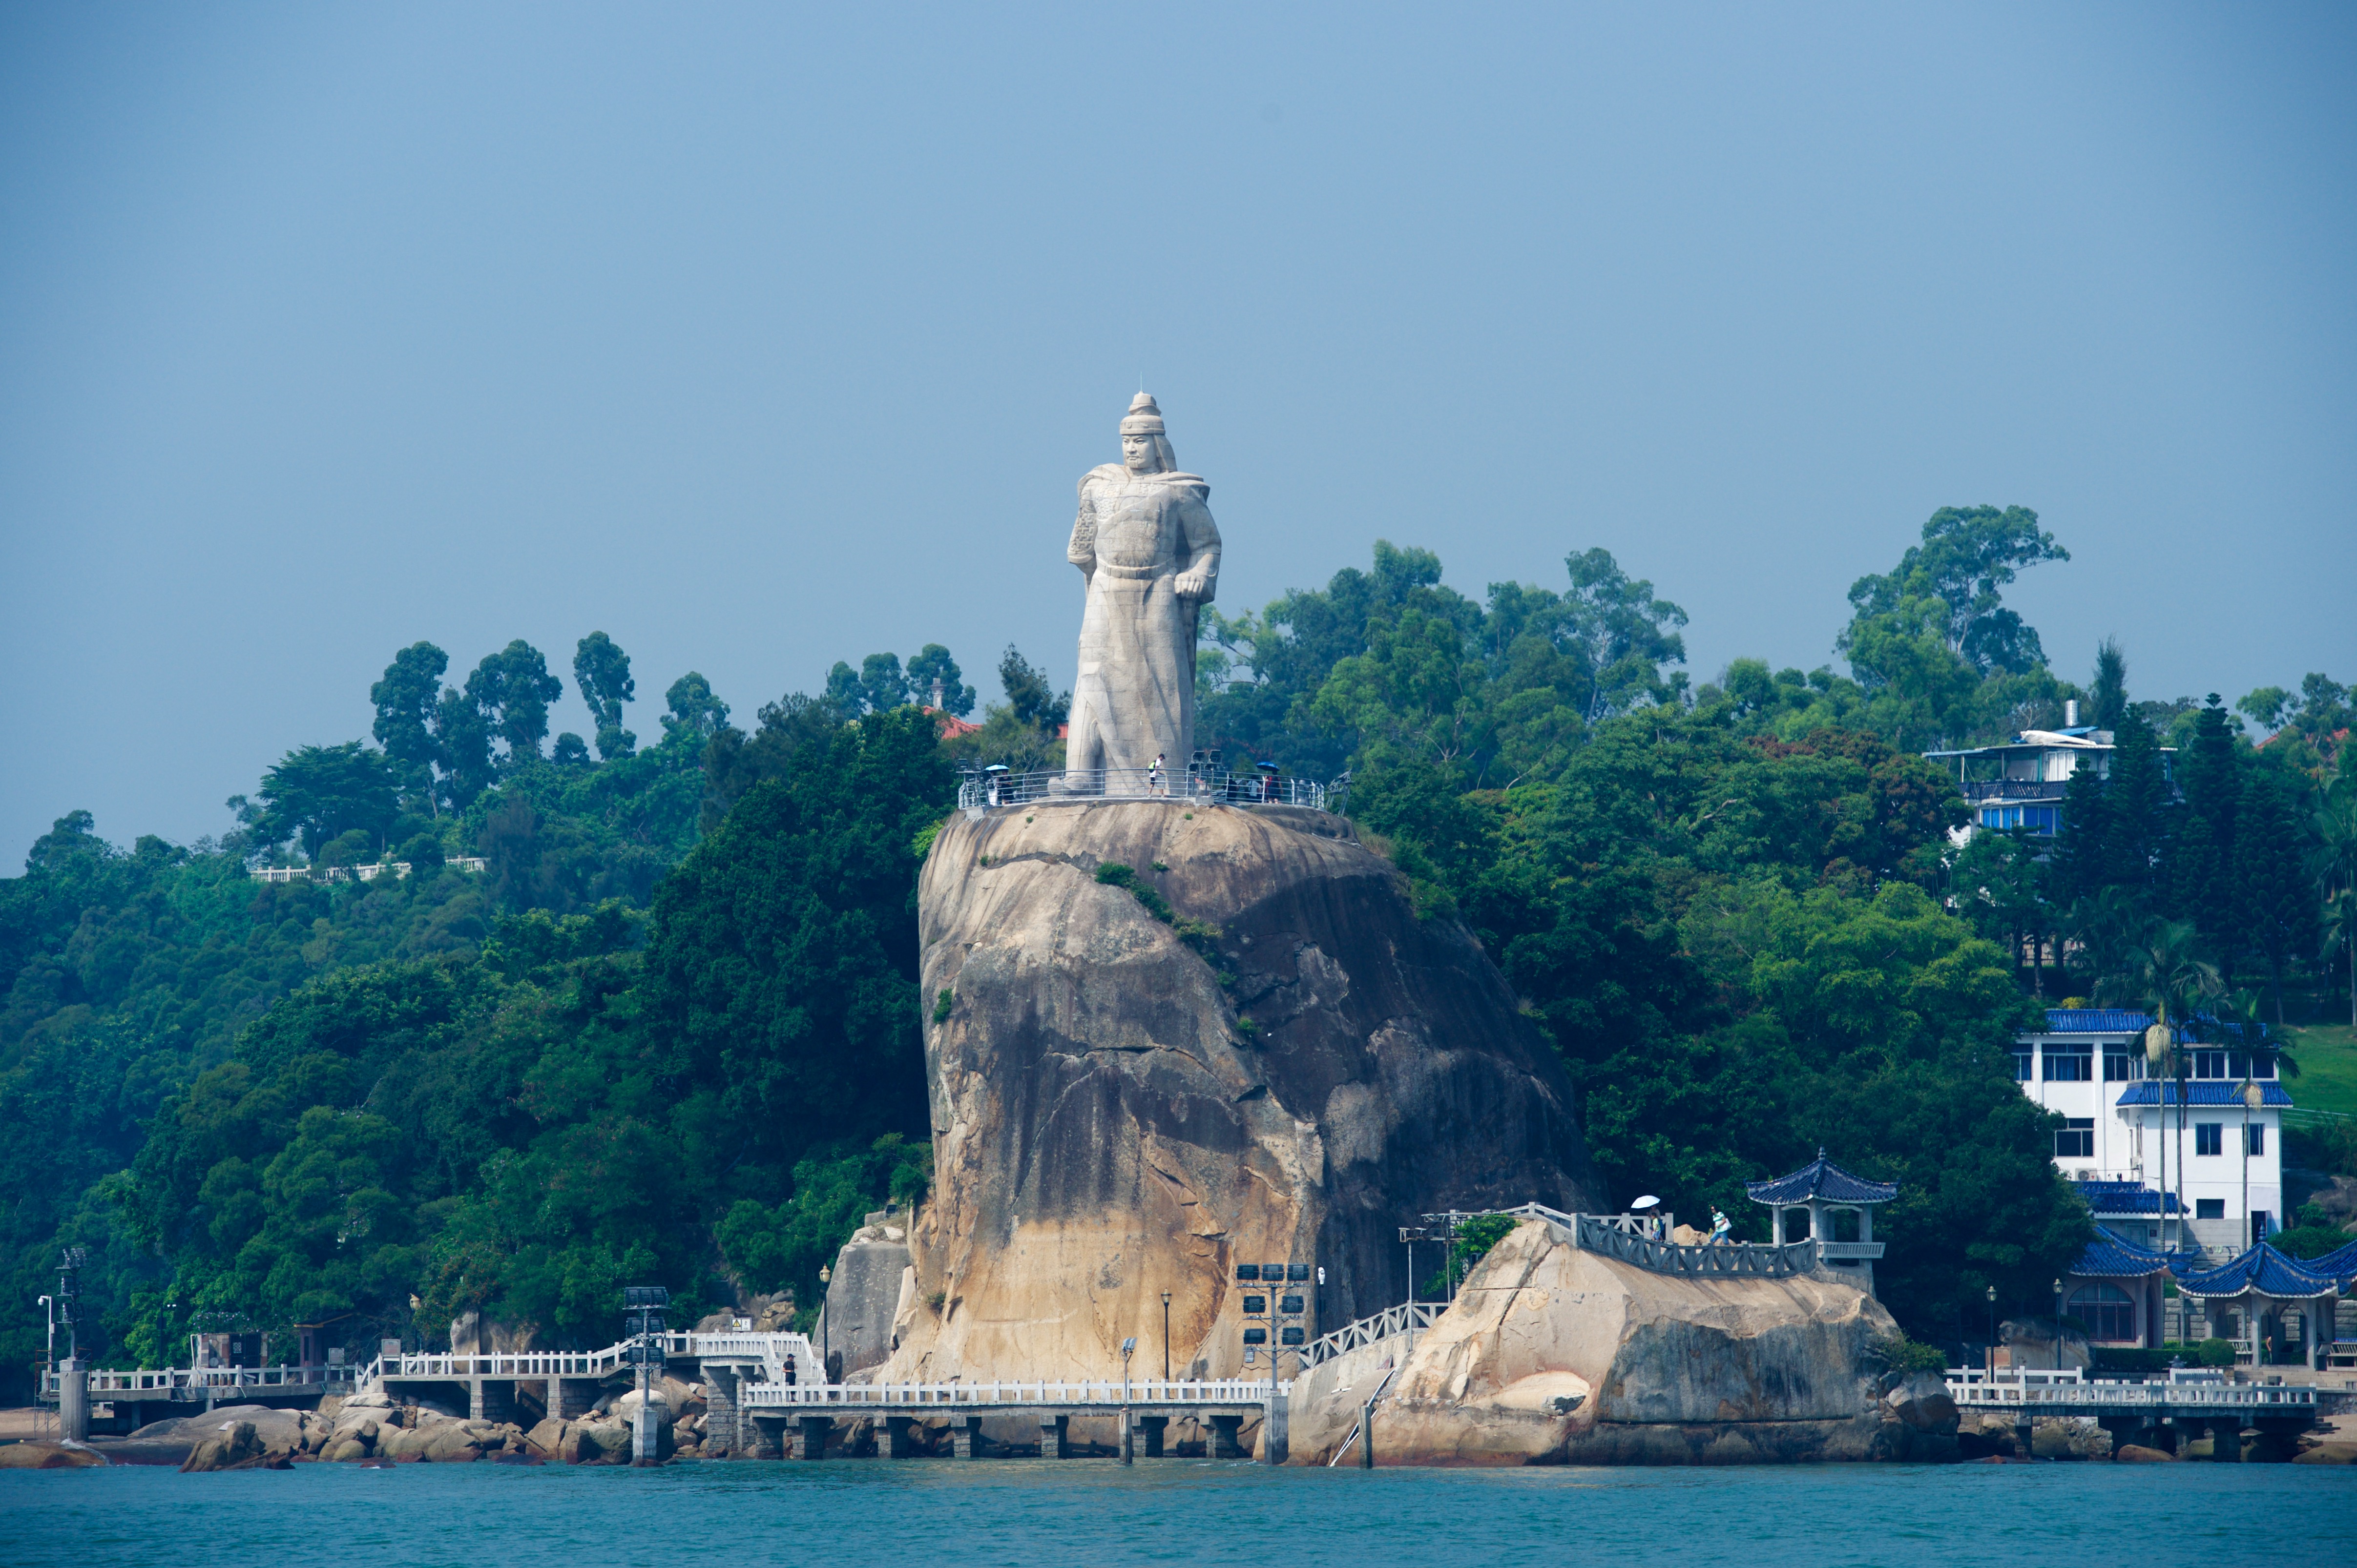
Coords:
807,1413
994,789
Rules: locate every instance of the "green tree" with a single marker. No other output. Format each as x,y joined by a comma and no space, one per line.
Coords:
2274,897
317,792
1968,557
602,671
932,663
696,715
882,685
511,689
1623,633
404,702
2108,698
1029,696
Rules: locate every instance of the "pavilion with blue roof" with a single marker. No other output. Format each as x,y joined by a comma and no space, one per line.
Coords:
2257,1286
1820,1189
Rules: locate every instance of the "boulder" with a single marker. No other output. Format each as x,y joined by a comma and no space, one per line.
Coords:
2137,1454
2029,1342
1553,1355
1290,1068
37,1454
345,1451
1922,1402
2328,1454
237,1448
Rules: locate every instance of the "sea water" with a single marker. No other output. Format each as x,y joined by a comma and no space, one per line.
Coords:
1049,1514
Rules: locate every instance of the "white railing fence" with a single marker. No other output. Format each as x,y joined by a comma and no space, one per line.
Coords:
988,791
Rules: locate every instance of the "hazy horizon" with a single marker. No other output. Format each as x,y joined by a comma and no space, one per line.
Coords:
759,338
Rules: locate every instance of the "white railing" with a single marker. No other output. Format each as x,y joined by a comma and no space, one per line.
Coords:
2064,1391
355,872
186,1382
983,792
1158,1391
182,1382
1405,1318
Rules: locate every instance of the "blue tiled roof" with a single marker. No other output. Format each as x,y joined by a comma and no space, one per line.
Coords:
2113,1256
2095,1021
2264,1270
2341,1263
1824,1180
2127,1198
2204,1092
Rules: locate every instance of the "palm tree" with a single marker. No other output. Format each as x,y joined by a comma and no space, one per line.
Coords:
2334,863
2162,968
2341,932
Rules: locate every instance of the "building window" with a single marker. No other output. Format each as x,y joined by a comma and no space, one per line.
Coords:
2254,1139
2107,1311
2021,1060
2261,1223
2120,1065
2076,1139
2209,1208
2208,1138
2070,1064
2208,1064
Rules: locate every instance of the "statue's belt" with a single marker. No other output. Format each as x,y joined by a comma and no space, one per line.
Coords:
1139,574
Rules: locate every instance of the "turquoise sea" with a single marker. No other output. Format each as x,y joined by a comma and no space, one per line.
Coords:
1048,1514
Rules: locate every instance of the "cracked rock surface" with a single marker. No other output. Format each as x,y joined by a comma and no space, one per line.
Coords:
1123,1107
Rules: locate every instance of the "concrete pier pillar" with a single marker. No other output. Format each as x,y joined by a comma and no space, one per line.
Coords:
73,1401
810,1435
1367,1436
570,1399
1153,1428
720,1415
2022,1434
764,1437
1273,1430
1055,1433
1224,1437
2226,1441
965,1437
491,1398
898,1442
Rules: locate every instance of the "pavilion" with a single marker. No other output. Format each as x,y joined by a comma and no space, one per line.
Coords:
2256,1287
1822,1188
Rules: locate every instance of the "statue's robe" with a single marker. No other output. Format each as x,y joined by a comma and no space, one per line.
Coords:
1135,699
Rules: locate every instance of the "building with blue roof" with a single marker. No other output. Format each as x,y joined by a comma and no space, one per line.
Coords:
2117,1289
2213,1184
1823,1192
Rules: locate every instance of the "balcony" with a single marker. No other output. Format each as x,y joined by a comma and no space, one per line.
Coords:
2016,789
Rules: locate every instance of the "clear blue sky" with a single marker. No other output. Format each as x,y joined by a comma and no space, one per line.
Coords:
763,336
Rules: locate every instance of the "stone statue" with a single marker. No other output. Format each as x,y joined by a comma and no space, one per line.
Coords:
1148,548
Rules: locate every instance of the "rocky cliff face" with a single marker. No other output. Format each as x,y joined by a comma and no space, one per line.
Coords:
1125,1106
1551,1355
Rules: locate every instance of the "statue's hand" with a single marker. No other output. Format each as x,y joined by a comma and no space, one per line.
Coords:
1192,582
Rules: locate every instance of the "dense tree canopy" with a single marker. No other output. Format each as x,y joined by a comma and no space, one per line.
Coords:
670,1029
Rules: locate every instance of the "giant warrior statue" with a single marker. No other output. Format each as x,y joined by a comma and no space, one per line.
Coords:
1149,552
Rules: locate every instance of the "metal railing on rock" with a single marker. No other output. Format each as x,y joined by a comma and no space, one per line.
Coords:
1405,1318
989,791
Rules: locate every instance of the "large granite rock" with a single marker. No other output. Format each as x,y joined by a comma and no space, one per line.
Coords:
1123,1106
1551,1355
866,1299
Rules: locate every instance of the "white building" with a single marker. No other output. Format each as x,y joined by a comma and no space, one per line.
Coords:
2021,784
2088,1065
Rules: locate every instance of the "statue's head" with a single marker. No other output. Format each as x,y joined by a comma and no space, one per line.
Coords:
1144,449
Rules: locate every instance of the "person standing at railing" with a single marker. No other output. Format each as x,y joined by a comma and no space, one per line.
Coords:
1154,776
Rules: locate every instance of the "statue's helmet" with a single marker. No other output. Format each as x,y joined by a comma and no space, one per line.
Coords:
1143,418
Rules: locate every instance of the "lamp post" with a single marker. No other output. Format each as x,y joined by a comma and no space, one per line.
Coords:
1166,1338
644,1306
2058,1325
1992,1339
1127,1346
825,1329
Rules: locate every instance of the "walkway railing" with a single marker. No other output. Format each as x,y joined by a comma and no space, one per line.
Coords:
217,1383
1405,1318
983,792
1153,1391
1644,1241
1980,1393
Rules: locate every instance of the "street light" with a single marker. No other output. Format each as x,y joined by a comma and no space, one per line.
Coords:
2058,1325
825,1329
1127,1348
644,1306
1992,1339
1166,1336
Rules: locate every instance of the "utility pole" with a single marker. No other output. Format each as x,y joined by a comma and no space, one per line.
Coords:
1166,1339
73,1378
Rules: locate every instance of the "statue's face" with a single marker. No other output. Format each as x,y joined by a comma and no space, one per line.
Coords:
1137,453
